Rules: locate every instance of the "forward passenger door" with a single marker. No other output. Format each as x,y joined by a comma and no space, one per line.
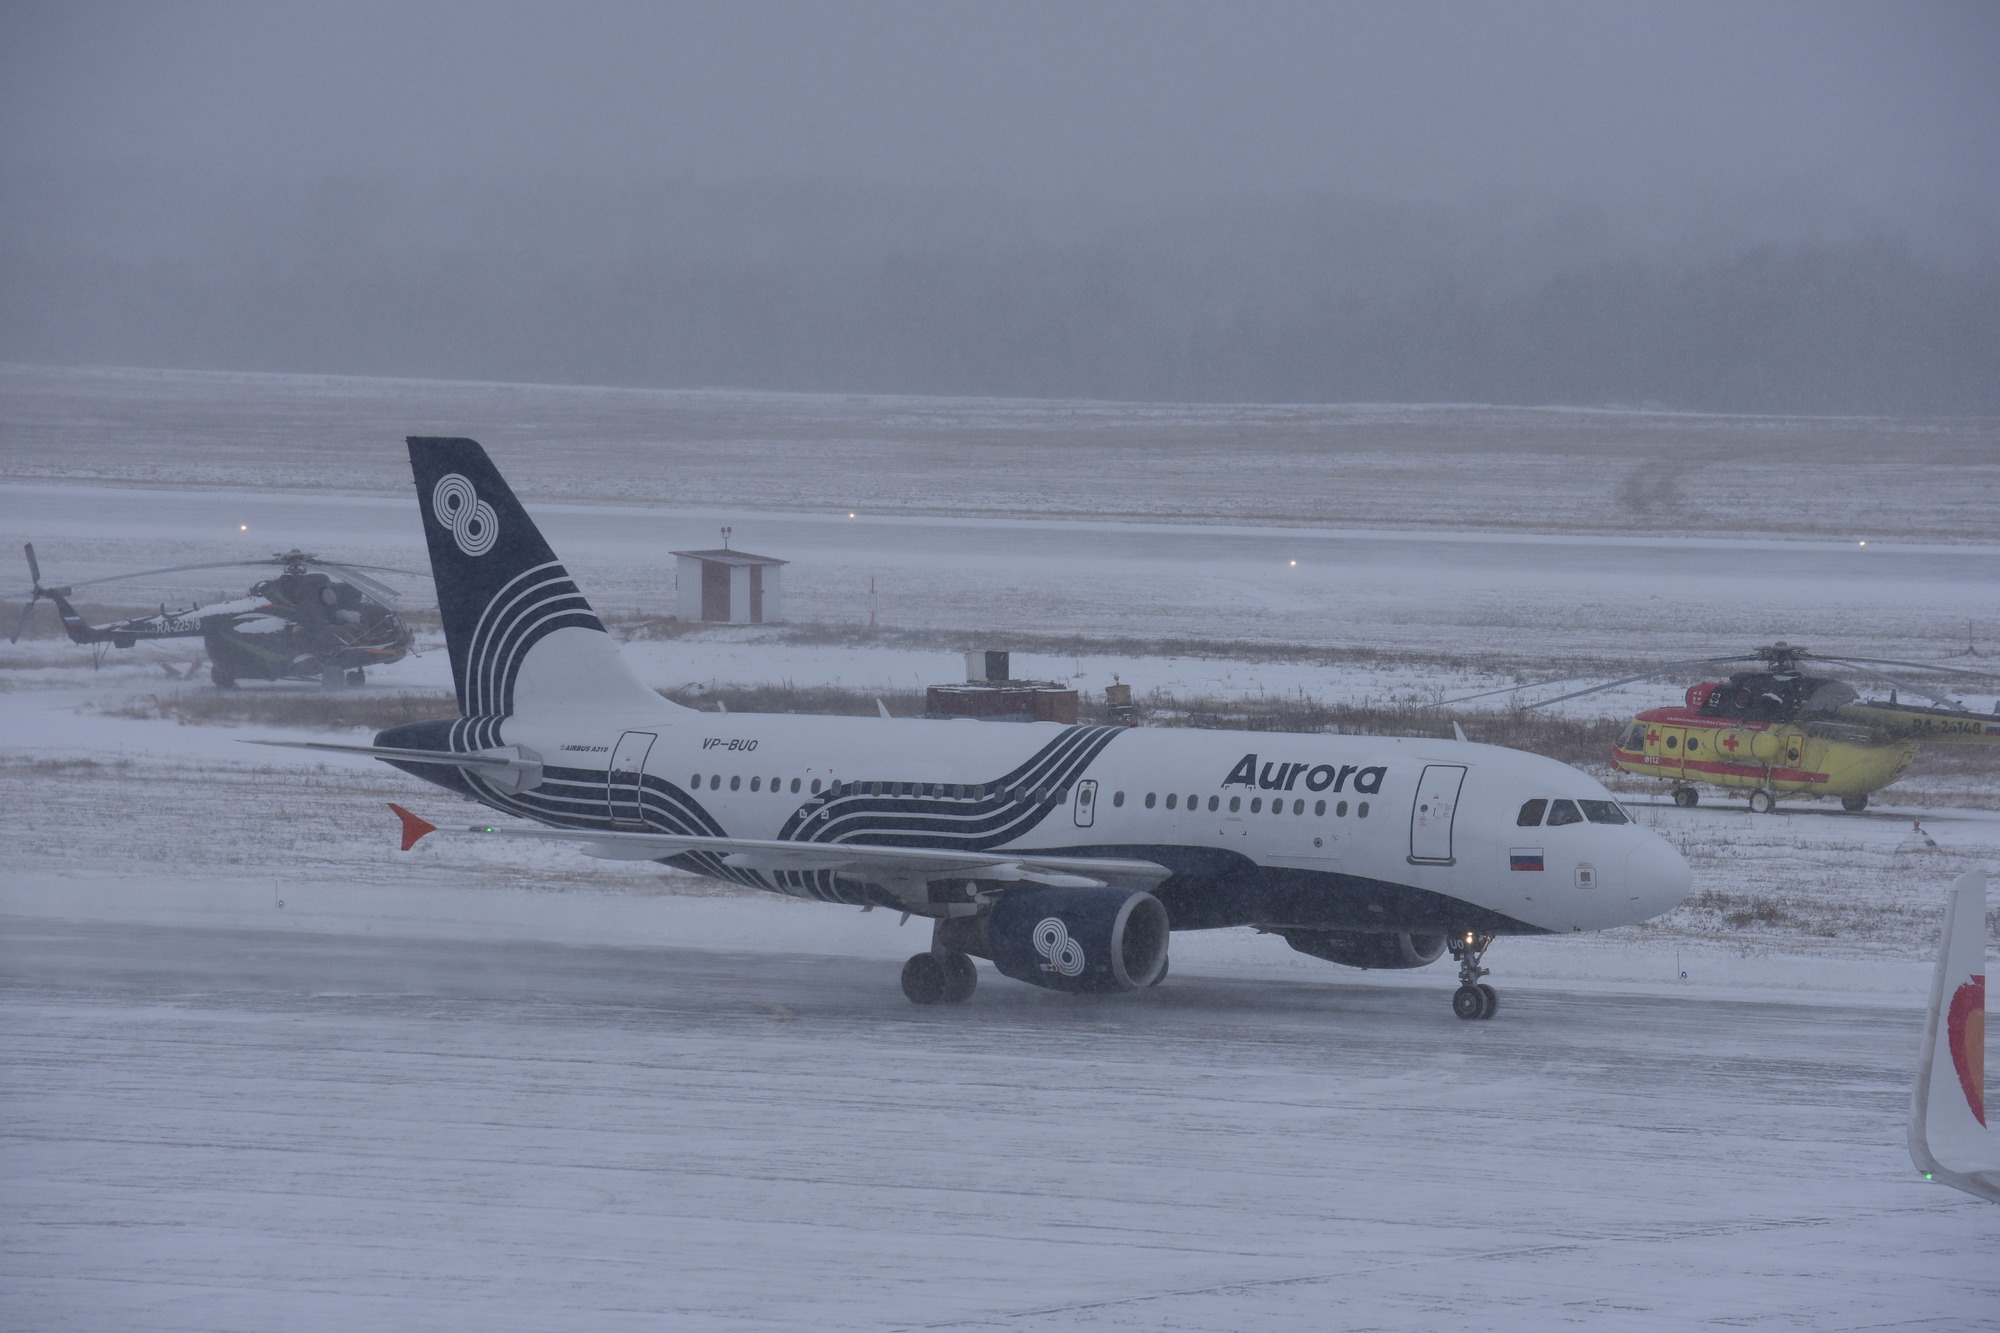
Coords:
1432,812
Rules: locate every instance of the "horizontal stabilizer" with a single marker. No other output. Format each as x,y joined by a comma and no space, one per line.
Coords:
510,768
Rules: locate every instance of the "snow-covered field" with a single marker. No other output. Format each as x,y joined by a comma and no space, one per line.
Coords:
259,1069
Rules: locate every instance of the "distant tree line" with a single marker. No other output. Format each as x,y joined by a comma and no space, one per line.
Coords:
818,292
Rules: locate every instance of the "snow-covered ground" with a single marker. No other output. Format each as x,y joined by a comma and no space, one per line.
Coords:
260,1069
720,1114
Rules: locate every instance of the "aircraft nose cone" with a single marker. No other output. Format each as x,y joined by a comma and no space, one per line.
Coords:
1659,876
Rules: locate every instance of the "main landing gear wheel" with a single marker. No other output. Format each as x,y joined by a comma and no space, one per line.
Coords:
1854,805
223,680
940,978
358,676
961,977
1762,802
1686,796
1473,998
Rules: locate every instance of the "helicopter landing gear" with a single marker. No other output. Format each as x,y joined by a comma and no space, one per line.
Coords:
1473,998
948,977
1686,797
222,679
1854,805
358,676
1762,802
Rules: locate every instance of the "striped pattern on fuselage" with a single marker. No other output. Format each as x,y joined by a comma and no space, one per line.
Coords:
885,813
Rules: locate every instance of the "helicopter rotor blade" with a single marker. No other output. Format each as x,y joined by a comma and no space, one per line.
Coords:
1938,699
22,623
385,569
171,569
34,565
380,592
1662,670
1914,666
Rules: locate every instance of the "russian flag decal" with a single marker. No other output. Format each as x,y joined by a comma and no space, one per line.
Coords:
1524,858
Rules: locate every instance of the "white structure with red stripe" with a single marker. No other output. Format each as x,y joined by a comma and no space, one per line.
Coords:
1950,1140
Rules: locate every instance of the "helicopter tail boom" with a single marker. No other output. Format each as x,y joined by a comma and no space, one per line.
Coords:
1933,726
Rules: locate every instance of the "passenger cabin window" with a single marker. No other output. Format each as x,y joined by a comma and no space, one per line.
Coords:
1256,805
1603,812
1235,804
1172,798
714,781
696,784
736,783
1361,810
815,786
1340,811
755,783
1319,807
1117,798
1531,812
1149,800
1564,812
1214,802
795,786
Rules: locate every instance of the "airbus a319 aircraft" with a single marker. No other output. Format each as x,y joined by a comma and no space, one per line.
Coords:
1065,855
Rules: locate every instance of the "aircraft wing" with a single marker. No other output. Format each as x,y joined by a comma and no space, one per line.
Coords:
1950,1138
858,860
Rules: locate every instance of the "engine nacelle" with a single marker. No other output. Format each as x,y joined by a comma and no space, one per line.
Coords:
1379,949
1079,939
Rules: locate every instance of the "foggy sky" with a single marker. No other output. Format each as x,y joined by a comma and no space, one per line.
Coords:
1581,99
1236,155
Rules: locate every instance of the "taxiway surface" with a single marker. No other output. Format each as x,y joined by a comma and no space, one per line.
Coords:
223,1128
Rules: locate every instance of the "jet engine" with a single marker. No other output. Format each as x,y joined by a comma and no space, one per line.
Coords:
1079,940
1368,948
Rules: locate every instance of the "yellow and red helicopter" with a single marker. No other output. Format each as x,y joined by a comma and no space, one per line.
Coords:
1783,732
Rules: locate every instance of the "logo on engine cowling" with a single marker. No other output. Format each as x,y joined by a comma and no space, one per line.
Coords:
1053,942
473,525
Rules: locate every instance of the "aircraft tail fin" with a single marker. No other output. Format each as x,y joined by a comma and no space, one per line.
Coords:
1950,1136
522,637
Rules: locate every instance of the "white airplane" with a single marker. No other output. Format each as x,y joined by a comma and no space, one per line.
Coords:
1065,855
1950,1141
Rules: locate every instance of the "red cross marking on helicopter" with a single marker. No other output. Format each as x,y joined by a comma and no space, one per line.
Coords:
1652,738
1729,744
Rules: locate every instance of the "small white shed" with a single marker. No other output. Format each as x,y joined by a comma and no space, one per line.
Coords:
731,587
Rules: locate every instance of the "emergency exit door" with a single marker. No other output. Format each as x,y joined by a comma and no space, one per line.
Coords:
625,782
1432,812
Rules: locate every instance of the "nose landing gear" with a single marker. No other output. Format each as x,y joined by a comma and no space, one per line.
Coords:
1473,998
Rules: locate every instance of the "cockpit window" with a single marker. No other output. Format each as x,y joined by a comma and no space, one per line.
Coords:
1635,739
1603,812
1531,812
1564,812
